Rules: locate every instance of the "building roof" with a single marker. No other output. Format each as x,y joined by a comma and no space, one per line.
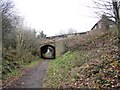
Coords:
104,19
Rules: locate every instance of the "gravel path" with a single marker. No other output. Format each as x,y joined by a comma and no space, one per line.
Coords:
34,77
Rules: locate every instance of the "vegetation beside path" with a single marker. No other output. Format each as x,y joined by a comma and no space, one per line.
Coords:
92,64
19,72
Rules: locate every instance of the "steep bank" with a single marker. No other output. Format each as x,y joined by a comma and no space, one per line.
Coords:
91,62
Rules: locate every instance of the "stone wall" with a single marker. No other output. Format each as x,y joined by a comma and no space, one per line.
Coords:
60,48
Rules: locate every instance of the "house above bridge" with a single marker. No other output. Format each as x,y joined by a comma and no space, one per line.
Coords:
103,24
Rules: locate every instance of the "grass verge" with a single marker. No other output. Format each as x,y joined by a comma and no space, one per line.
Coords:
59,69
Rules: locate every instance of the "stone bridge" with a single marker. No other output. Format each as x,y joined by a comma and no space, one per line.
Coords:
57,45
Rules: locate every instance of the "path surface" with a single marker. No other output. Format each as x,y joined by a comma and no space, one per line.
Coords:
34,77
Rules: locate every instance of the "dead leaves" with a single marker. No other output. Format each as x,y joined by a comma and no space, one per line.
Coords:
96,61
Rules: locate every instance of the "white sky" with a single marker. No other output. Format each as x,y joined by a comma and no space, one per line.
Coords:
54,16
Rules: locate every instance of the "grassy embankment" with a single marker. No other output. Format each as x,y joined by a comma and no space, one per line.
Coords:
92,64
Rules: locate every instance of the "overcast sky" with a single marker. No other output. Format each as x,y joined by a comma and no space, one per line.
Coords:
55,16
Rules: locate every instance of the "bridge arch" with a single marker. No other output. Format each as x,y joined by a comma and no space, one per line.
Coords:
48,51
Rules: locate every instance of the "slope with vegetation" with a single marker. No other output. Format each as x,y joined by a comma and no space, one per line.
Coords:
91,62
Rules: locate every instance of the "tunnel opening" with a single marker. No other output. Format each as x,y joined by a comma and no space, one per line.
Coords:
47,52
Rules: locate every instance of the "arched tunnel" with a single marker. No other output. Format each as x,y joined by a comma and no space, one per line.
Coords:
47,52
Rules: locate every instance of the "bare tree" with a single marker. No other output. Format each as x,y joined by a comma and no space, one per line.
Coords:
9,23
105,7
71,31
110,8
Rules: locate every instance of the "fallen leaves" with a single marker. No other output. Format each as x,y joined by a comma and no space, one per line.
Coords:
96,62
